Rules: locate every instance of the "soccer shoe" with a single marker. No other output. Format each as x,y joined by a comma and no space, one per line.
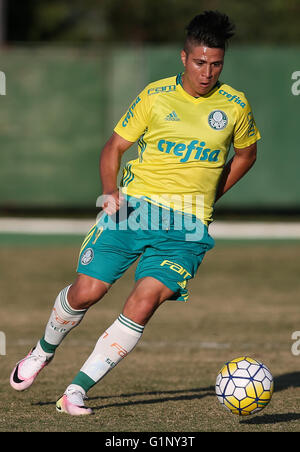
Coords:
72,402
26,370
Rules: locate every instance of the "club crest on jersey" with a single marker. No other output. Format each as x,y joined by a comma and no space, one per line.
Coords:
217,120
87,256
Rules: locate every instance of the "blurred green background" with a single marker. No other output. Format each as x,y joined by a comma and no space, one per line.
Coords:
72,68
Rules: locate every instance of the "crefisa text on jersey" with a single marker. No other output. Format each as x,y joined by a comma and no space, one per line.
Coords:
151,441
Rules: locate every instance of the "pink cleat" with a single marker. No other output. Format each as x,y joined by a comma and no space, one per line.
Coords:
26,370
72,402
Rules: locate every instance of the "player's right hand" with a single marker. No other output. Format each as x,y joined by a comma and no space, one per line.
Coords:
111,202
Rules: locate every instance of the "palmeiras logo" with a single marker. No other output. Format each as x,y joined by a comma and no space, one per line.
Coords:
87,256
217,120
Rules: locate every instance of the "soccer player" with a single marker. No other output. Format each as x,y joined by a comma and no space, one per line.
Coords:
184,126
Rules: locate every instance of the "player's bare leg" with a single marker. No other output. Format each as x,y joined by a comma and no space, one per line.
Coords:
115,343
145,298
86,291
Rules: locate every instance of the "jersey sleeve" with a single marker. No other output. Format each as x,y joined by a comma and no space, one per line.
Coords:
134,122
245,130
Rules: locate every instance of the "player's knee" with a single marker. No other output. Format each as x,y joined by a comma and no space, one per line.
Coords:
84,293
140,308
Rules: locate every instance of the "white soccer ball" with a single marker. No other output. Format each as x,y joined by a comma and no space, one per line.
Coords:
244,386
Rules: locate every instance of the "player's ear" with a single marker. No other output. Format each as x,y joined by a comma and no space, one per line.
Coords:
183,56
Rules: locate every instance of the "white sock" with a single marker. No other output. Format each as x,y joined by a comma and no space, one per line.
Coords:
62,320
117,341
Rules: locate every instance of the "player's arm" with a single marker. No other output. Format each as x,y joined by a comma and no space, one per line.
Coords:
127,131
236,168
110,160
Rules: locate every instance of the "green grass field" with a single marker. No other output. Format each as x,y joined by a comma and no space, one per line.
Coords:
244,301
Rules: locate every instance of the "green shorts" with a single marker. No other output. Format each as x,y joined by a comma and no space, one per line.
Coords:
170,245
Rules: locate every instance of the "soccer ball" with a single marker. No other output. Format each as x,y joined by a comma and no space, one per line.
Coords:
244,386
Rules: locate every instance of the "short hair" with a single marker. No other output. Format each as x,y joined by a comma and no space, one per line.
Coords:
211,28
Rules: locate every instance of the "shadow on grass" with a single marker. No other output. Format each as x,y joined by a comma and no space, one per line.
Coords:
281,383
271,418
285,381
159,397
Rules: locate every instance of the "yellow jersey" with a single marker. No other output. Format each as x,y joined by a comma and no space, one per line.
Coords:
183,143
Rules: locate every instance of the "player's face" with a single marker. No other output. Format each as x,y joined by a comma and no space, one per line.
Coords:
203,66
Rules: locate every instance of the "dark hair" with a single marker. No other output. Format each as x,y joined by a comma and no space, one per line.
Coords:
211,28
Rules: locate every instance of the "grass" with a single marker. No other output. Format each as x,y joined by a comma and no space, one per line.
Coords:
244,301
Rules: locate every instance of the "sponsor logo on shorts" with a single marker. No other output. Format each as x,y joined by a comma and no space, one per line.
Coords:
176,268
87,256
